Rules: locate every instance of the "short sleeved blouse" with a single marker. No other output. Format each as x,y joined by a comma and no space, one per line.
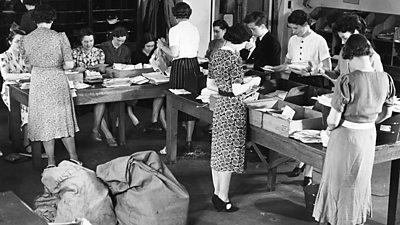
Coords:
359,96
186,37
312,48
343,64
86,59
225,69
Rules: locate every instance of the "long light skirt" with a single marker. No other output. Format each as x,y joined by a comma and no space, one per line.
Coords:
344,195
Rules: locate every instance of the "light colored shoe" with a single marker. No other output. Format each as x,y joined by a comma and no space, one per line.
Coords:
96,136
163,151
112,143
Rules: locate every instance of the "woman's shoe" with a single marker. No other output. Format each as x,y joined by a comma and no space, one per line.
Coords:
229,207
217,202
28,148
188,146
296,171
96,136
140,128
307,181
79,163
50,166
112,143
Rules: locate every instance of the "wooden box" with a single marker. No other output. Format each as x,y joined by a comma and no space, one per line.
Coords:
303,119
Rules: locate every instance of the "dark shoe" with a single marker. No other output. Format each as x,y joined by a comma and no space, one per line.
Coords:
112,143
79,163
154,127
50,166
140,128
188,146
217,202
96,136
229,207
296,171
307,181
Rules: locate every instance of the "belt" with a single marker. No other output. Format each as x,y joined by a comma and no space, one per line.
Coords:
358,126
226,94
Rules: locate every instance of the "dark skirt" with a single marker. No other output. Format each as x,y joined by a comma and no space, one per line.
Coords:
184,74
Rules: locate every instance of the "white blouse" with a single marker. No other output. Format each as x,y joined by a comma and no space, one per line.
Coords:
186,37
312,48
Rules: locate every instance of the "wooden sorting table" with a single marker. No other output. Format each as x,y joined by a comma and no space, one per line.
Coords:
88,96
312,154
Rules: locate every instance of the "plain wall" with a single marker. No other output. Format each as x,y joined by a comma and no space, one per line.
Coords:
202,17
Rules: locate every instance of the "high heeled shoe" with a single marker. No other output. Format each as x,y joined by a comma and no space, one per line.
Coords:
296,171
307,181
229,207
217,202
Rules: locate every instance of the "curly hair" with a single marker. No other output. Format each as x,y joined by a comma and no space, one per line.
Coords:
182,10
119,32
357,45
84,32
258,18
44,14
14,33
350,22
299,17
221,24
238,34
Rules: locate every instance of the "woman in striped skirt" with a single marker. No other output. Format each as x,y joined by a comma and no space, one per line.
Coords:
184,42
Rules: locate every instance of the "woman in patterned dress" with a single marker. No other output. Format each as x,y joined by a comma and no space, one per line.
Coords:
361,98
87,56
51,107
13,66
229,119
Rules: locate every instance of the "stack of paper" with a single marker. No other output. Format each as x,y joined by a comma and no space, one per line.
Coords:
307,136
179,91
139,80
156,77
117,82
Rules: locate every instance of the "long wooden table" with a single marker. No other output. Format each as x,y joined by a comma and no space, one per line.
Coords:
312,154
88,96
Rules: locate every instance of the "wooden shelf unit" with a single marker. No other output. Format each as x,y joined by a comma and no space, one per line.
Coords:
72,15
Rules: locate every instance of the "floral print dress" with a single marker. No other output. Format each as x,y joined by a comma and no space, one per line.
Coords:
230,115
13,64
51,109
86,59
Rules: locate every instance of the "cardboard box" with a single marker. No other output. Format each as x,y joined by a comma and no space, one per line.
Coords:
303,119
78,77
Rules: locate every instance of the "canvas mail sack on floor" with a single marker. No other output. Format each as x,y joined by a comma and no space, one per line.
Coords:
145,190
71,192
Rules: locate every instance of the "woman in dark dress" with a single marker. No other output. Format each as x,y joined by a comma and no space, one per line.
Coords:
230,115
143,55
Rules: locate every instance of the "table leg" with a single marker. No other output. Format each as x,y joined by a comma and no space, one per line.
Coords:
272,171
121,126
37,154
15,124
393,192
172,132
